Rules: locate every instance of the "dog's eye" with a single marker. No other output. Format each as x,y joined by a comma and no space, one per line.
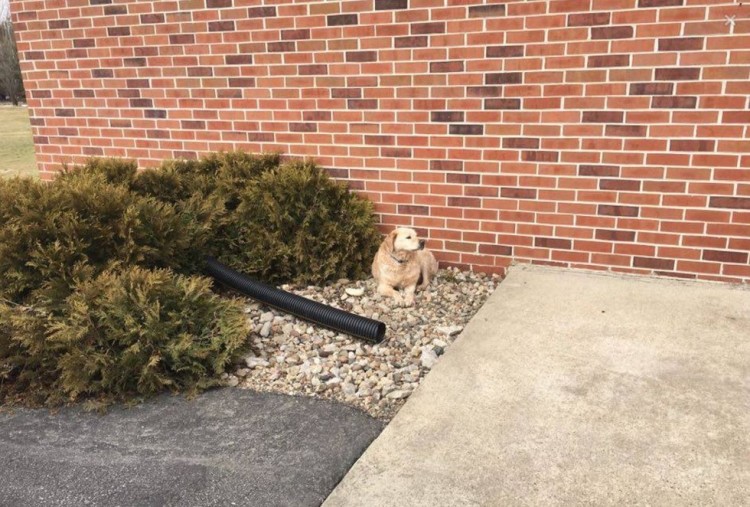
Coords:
408,237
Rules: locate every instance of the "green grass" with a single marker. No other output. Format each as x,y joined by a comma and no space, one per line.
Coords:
16,143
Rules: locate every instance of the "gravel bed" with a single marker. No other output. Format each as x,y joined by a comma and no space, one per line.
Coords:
292,356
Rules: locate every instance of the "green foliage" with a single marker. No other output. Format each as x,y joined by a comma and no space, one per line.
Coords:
123,334
296,224
96,301
54,235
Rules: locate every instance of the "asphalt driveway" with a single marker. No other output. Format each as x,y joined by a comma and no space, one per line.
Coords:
226,447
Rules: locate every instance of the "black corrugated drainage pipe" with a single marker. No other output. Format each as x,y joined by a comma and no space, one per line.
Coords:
339,320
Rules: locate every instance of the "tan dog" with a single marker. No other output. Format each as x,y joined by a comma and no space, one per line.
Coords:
402,262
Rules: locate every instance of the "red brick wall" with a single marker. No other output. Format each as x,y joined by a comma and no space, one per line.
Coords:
606,134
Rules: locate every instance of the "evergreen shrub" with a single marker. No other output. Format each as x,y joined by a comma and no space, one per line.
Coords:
98,298
125,334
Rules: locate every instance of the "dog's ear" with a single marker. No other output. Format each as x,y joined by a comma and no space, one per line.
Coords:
392,238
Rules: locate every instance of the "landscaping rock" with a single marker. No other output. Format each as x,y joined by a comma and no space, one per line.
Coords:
294,357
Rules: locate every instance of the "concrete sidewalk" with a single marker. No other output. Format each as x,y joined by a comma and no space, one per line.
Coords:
573,388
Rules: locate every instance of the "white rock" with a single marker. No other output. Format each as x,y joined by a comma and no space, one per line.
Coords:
242,372
450,330
265,331
398,394
428,357
233,381
348,388
254,362
266,317
355,291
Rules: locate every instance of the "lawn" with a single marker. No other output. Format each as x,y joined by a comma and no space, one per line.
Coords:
17,146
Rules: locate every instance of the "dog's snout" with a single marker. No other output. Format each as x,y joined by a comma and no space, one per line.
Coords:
421,244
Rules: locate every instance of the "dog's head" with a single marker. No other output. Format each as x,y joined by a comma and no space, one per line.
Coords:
405,240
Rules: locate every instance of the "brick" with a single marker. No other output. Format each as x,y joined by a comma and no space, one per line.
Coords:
608,61
626,130
300,34
312,70
480,11
361,56
624,185
118,31
182,38
281,46
725,256
603,116
303,127
471,179
148,113
316,116
242,82
447,116
660,3
410,209
443,67
466,130
221,26
678,74
513,51
729,202
681,44
152,18
218,4
362,104
261,12
612,32
465,202
238,59
681,102
589,19
427,28
495,249
342,19
503,78
135,62
617,211
540,156
521,143
65,113
141,103
419,41
115,10
653,263
651,88
58,24
557,243
484,91
383,5
614,235
692,145
446,165
502,104
518,193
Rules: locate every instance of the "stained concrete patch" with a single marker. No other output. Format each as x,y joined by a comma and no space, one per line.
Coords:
573,388
226,447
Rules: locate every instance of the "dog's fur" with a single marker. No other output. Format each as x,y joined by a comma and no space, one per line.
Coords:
402,262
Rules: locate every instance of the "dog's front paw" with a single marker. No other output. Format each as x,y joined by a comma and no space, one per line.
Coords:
409,300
